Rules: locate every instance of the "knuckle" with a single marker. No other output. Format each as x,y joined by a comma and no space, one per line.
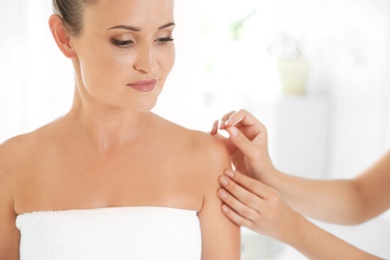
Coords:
274,195
245,212
239,221
251,225
274,204
244,111
231,186
230,201
253,186
247,199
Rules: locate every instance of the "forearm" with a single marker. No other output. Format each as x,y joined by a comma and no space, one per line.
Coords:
257,206
316,243
336,201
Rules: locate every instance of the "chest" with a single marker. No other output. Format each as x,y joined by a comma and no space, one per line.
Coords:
80,181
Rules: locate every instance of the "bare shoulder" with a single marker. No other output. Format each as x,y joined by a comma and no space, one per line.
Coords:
16,151
209,158
209,147
11,151
13,156
215,155
206,151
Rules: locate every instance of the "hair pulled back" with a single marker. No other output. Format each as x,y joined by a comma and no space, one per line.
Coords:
72,13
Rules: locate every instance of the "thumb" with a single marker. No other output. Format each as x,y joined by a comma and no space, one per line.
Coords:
245,145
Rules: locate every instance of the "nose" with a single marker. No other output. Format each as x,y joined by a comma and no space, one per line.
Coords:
146,60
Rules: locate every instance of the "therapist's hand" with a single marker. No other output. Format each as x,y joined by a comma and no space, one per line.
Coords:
247,144
252,204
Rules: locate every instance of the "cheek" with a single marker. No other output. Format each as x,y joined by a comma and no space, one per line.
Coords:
101,69
168,61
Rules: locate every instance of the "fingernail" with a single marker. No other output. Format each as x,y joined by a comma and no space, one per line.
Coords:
215,125
229,121
221,124
233,131
225,208
229,173
223,194
224,181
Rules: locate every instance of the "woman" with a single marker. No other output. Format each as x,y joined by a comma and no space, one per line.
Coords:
255,200
110,179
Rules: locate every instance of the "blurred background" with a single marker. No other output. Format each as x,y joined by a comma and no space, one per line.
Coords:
315,72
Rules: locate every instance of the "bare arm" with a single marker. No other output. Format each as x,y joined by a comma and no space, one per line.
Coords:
316,243
220,236
258,207
9,235
339,201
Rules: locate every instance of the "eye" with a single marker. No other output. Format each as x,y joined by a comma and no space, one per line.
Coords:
164,40
122,44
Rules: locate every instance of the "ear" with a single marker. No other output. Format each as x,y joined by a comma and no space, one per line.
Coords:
61,36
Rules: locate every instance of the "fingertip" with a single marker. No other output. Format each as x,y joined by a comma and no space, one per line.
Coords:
230,173
222,124
222,194
233,131
214,128
232,122
223,180
225,208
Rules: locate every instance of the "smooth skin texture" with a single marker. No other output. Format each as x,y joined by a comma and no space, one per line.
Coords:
109,150
260,197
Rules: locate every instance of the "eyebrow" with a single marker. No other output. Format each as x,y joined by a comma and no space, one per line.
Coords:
137,29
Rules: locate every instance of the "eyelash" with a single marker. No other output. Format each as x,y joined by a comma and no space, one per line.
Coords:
164,40
124,44
121,44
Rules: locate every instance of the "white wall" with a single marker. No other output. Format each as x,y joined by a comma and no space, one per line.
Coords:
355,74
36,80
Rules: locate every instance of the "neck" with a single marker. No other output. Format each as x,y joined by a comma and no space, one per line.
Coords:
107,127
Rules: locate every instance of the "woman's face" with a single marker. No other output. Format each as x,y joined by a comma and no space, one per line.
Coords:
125,51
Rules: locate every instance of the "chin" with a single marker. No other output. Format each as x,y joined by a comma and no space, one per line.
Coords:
144,106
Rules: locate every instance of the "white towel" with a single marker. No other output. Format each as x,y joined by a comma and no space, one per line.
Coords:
144,233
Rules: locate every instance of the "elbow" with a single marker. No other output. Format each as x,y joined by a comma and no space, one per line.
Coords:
361,210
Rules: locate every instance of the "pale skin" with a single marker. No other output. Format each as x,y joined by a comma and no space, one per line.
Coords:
260,197
109,150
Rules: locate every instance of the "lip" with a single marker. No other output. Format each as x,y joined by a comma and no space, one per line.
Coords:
146,85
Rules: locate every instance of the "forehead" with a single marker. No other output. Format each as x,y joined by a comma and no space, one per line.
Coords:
140,13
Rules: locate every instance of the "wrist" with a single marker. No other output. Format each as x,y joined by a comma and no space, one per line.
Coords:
272,178
297,235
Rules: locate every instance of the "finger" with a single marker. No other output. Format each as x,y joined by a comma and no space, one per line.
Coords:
246,123
225,118
248,147
214,129
236,218
241,198
221,138
251,185
240,208
243,117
